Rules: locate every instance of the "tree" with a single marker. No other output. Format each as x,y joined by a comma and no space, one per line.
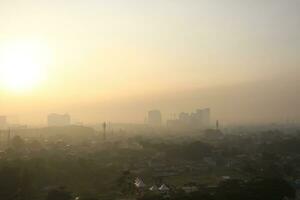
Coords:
256,189
270,188
125,182
15,183
18,144
231,190
59,194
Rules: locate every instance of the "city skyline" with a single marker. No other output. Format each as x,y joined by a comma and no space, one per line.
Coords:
149,99
93,59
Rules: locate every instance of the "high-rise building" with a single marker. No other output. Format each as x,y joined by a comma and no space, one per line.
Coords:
200,119
203,116
59,120
3,121
154,118
184,118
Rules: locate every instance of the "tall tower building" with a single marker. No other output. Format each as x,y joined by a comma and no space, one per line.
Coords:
206,117
154,118
202,118
104,130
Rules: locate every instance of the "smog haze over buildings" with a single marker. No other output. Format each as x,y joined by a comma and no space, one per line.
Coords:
149,100
116,60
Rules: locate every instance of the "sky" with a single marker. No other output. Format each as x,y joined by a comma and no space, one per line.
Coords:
115,59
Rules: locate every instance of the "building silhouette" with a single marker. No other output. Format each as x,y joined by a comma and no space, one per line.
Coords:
200,119
154,118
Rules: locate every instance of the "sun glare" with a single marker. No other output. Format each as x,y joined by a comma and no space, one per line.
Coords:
22,65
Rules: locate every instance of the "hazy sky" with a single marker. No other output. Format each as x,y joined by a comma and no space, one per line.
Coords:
116,59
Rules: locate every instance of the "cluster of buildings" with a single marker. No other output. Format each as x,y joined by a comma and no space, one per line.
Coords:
200,119
53,119
197,120
142,187
154,118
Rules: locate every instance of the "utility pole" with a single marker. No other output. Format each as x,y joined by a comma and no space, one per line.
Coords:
8,138
104,130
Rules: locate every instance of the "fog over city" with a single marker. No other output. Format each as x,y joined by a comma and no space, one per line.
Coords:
149,100
115,60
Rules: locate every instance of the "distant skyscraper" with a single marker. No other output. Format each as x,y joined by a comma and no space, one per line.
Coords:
3,121
59,120
204,117
184,118
154,118
195,120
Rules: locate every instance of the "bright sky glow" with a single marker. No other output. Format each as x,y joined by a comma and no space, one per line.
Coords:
22,65
119,53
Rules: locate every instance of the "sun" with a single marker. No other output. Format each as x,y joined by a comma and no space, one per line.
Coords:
22,65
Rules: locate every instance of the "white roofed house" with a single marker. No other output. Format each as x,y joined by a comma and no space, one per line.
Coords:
140,186
163,188
154,188
139,183
137,180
